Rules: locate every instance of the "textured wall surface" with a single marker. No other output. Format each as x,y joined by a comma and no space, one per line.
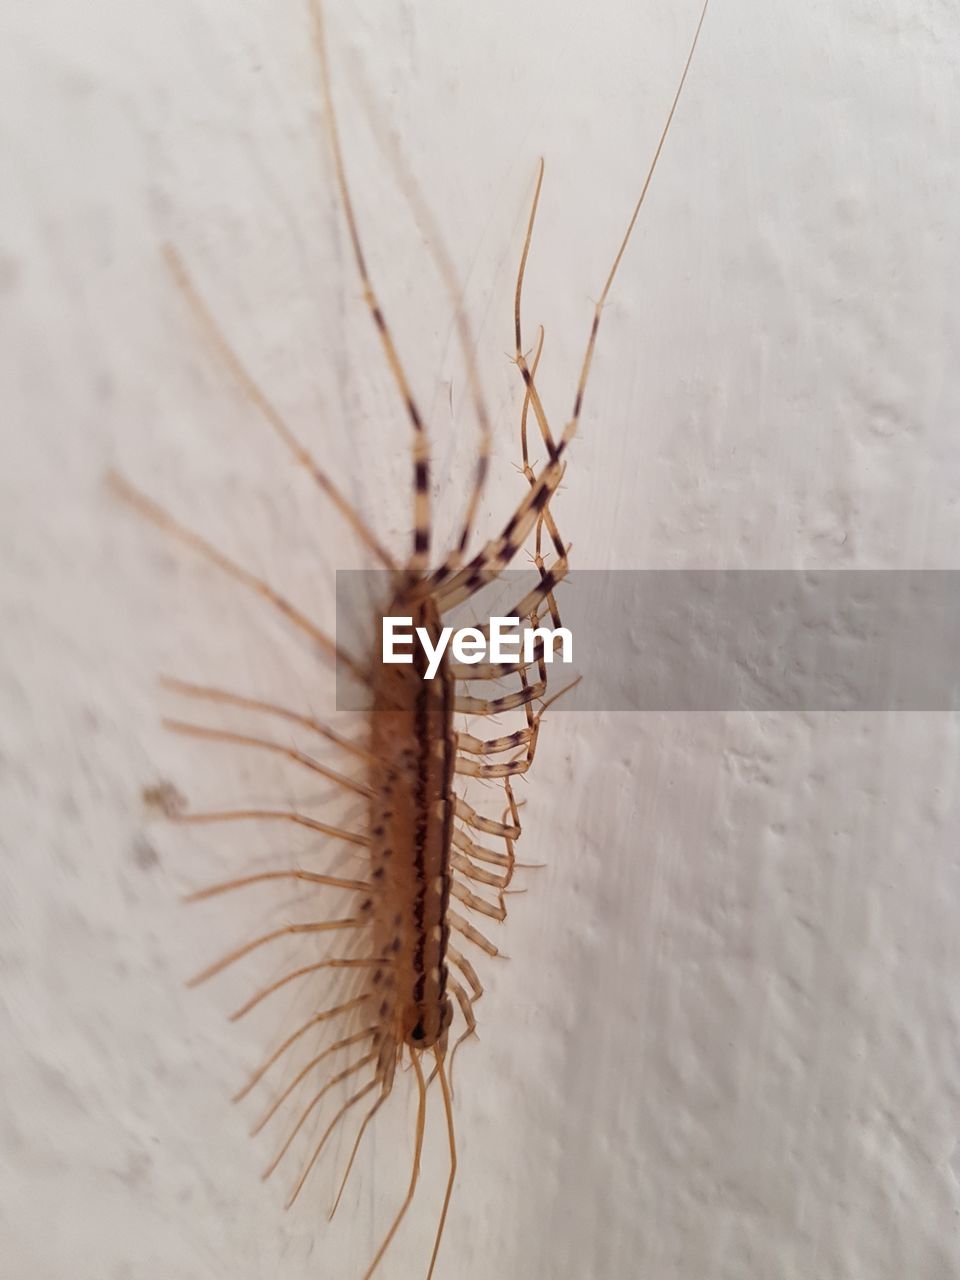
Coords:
727,1042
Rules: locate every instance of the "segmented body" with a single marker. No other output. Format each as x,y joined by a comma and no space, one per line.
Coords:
429,856
415,746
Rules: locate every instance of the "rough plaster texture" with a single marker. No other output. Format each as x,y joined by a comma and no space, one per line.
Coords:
727,1045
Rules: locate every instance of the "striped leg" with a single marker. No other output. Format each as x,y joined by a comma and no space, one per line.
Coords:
252,390
153,512
437,249
421,446
224,697
478,822
499,551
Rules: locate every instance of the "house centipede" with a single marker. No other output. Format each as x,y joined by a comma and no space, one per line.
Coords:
429,869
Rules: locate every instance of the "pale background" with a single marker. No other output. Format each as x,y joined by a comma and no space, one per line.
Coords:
727,1044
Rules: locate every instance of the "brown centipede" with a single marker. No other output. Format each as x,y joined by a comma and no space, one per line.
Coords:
431,864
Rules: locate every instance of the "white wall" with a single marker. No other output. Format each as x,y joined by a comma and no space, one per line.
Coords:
727,1045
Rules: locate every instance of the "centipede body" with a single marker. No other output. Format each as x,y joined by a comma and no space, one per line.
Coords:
432,864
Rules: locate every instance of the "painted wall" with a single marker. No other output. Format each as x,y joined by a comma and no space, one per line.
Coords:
727,1043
